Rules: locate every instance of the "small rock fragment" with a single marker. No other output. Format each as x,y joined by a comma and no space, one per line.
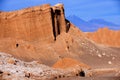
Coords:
109,62
99,55
11,61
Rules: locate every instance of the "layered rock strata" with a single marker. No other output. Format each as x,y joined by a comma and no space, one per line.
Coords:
37,23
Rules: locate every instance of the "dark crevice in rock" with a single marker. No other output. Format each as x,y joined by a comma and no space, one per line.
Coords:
57,13
82,73
53,23
59,76
77,74
55,77
56,23
8,74
17,45
1,72
67,25
27,75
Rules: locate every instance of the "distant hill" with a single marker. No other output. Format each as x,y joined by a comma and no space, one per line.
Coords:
101,36
102,22
92,25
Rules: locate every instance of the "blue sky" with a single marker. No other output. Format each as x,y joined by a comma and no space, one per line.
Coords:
85,9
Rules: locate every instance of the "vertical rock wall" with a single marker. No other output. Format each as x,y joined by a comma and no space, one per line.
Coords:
42,23
59,19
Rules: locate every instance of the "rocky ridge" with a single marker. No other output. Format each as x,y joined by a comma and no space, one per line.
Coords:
106,37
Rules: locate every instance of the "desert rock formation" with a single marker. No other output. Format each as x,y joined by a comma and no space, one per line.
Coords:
105,36
37,23
20,70
25,33
43,34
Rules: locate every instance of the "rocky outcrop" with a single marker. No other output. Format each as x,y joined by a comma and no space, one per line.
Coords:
42,23
105,36
20,70
27,33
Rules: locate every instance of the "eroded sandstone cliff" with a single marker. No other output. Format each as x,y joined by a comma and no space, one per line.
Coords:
105,36
28,33
37,23
43,34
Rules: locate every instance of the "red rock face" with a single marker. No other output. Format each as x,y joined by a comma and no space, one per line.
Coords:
43,34
37,23
106,37
27,24
28,33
